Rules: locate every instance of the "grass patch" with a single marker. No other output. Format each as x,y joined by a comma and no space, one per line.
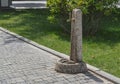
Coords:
102,50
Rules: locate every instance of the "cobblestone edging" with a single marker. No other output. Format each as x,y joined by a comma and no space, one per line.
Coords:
61,55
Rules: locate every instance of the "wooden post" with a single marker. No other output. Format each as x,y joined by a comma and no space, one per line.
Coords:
76,36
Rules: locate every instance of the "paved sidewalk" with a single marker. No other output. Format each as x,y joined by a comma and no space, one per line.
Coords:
29,4
118,5
22,63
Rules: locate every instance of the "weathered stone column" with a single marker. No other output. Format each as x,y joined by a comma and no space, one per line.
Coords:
75,64
76,36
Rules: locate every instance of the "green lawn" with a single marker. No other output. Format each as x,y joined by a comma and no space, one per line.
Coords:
102,50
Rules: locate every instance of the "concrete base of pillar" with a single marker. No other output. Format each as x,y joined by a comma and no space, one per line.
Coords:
70,67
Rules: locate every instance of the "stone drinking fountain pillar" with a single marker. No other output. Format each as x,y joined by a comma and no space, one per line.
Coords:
75,64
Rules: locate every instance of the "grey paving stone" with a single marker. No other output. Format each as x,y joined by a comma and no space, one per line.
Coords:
22,63
29,4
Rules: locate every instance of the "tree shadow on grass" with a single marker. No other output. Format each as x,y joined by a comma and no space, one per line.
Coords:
109,33
32,23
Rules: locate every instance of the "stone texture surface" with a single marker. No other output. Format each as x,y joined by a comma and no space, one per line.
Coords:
22,63
76,36
70,67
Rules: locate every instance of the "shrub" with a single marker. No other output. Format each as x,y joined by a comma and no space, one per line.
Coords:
93,10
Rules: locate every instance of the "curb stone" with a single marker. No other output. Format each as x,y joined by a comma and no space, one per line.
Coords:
14,3
95,70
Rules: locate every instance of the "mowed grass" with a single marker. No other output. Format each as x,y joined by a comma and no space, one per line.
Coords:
101,50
